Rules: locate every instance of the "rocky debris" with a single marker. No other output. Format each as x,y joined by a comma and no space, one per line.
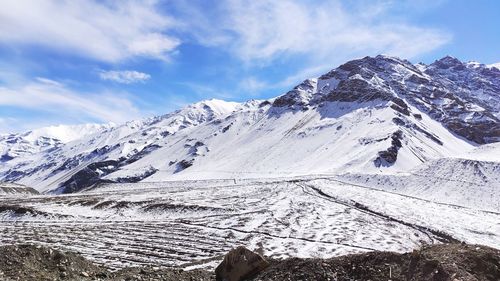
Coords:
443,262
30,262
160,274
240,264
38,263
16,210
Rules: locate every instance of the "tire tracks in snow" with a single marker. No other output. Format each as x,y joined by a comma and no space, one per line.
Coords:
430,233
408,196
256,232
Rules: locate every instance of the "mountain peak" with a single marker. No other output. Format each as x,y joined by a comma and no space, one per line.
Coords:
448,62
494,65
215,106
379,108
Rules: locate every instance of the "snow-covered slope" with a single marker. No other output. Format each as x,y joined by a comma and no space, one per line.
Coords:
15,189
471,179
372,115
66,133
496,65
22,144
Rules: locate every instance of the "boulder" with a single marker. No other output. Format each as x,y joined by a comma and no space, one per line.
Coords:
240,264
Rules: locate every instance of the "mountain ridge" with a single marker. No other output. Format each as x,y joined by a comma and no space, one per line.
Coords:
376,114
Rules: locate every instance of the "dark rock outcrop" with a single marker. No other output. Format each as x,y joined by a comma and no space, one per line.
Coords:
240,264
390,155
93,173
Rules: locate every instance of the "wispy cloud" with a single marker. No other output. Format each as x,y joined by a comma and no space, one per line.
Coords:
253,85
204,91
263,31
105,30
124,76
269,45
45,95
310,72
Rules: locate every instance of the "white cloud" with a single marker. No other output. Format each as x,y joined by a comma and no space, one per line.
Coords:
310,72
45,95
105,30
203,91
252,85
48,81
319,34
125,76
262,31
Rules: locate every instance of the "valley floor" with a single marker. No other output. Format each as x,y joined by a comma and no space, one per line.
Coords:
192,224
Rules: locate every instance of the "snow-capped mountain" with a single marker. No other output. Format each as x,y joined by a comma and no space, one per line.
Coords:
27,143
371,115
496,65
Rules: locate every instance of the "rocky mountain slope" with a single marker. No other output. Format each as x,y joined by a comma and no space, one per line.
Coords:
372,115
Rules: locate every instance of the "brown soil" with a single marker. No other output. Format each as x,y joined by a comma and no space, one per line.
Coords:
453,262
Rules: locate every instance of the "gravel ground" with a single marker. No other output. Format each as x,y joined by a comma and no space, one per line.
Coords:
453,262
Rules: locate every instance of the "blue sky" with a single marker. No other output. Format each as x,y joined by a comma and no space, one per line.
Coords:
70,62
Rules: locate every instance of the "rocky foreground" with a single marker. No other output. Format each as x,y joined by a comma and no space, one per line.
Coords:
452,262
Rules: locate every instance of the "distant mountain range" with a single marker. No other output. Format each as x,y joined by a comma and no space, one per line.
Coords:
375,115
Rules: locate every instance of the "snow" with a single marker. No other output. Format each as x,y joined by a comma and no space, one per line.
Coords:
222,139
295,180
495,65
66,133
336,138
469,179
181,223
488,152
12,189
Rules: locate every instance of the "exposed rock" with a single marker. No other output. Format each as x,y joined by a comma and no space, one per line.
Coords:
92,174
389,156
448,262
38,263
184,164
5,158
12,188
240,264
464,99
443,262
136,178
226,128
299,97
